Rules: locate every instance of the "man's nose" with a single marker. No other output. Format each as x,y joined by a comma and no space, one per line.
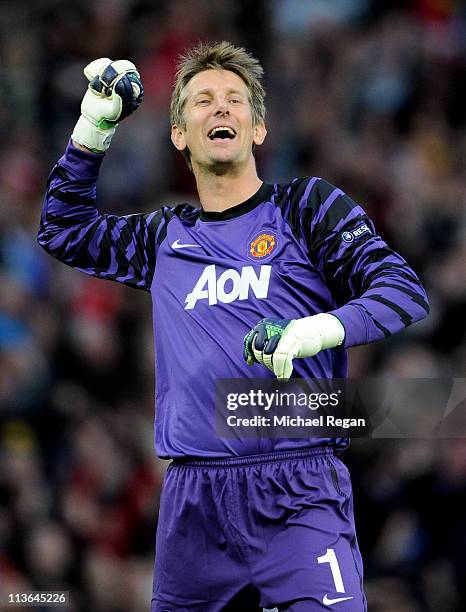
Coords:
222,108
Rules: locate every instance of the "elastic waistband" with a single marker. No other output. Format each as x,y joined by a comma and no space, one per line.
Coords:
253,459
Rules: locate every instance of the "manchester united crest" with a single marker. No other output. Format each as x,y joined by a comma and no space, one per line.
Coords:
262,245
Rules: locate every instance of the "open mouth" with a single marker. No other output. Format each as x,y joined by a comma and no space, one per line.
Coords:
221,133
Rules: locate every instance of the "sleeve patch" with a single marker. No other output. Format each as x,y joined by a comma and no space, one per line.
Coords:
351,235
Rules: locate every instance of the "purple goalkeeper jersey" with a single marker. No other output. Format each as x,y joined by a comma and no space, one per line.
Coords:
289,251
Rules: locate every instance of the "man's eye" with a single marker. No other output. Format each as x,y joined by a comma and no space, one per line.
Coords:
235,101
203,101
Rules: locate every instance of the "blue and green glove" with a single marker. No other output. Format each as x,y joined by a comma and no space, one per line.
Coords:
114,92
276,342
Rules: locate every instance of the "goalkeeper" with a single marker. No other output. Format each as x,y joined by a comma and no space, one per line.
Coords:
265,280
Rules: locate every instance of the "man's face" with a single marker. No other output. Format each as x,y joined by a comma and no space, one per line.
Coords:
219,132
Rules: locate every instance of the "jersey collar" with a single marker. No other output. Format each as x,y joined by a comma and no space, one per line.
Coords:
264,192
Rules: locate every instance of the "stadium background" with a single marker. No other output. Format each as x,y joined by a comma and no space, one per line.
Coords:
371,96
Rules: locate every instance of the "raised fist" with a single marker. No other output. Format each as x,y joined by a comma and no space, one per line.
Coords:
114,92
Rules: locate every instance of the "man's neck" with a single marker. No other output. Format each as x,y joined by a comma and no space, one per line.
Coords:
220,192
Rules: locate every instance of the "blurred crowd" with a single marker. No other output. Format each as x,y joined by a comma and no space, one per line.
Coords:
367,94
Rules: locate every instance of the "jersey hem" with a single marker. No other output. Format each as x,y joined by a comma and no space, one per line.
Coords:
254,459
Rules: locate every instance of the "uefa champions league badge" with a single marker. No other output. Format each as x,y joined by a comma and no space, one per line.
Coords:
347,236
262,245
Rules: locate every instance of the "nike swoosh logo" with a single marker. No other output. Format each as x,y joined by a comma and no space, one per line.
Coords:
328,602
177,245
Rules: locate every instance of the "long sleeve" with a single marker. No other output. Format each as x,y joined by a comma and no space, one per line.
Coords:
376,291
119,248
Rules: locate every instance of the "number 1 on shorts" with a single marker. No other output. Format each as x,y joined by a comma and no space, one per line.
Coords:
331,558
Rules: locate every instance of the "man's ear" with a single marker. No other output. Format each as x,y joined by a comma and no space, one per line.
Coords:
178,138
259,133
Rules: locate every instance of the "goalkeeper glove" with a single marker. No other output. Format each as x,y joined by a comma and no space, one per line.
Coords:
114,92
276,342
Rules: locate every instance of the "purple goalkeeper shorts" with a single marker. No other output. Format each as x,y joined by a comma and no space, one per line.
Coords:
272,530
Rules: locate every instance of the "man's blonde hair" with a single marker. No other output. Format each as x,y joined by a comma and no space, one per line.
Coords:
218,56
